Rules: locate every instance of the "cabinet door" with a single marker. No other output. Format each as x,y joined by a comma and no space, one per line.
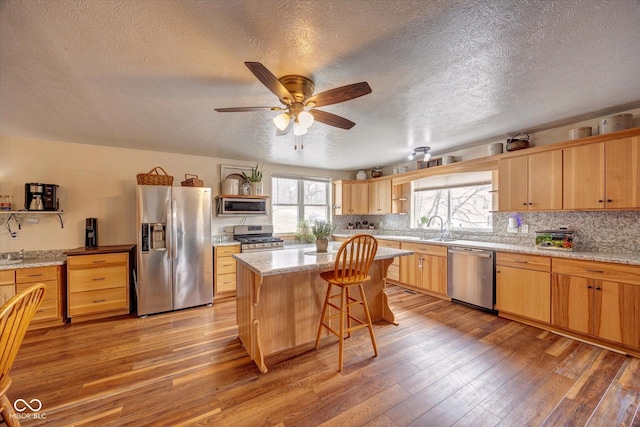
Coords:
338,200
359,198
572,302
583,181
434,274
407,269
380,197
512,184
616,312
622,173
545,181
524,292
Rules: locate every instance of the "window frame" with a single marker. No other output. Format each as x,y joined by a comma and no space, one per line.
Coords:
300,195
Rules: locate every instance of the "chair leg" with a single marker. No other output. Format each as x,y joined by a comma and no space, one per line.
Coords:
348,312
322,316
6,412
368,316
343,312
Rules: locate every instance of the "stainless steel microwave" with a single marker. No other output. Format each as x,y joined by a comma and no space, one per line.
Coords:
243,206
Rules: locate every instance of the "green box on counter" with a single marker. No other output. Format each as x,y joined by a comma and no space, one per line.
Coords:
561,239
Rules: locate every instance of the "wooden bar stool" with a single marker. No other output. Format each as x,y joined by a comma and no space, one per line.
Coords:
353,261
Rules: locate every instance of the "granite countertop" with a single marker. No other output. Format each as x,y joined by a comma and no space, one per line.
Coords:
284,261
226,243
36,262
619,258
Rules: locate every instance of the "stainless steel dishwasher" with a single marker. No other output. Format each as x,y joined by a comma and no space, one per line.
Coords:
471,277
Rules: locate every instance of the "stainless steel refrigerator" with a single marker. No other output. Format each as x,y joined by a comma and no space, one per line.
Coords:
175,259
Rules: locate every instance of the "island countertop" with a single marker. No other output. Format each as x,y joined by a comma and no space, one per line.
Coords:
268,263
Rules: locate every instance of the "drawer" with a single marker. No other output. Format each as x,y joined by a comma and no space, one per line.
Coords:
388,244
621,273
426,249
97,278
97,260
527,262
225,265
226,282
50,293
46,311
36,274
227,251
81,303
7,277
6,293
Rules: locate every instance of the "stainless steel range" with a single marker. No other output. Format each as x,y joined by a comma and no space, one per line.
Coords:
254,238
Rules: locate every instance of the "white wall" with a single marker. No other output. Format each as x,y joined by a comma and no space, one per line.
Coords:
100,182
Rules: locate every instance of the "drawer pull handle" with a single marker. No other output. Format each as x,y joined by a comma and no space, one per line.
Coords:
226,283
99,300
40,310
589,287
521,262
99,278
36,275
99,261
598,289
595,271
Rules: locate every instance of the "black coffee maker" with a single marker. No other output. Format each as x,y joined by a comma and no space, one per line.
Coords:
91,236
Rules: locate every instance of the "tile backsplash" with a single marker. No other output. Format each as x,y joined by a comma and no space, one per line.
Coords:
608,231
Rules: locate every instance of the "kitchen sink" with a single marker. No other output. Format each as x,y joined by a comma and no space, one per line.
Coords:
440,240
10,261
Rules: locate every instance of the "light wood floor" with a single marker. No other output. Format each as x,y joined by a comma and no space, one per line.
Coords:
445,364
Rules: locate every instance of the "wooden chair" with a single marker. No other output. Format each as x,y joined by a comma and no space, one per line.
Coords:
15,317
353,261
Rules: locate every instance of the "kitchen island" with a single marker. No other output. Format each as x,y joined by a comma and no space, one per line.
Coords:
280,296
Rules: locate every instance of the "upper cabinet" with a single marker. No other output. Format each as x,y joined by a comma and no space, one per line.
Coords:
531,182
380,197
350,198
603,175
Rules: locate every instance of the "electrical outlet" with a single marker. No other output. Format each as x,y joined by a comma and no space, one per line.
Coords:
512,230
524,228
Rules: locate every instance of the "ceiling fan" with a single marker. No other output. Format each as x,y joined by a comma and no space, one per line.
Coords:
296,94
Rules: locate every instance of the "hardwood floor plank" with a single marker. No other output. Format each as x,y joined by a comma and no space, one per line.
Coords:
478,417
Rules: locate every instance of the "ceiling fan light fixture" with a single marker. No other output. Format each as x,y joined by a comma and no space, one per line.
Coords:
305,119
282,121
298,129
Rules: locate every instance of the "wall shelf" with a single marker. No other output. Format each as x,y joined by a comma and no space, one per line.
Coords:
17,216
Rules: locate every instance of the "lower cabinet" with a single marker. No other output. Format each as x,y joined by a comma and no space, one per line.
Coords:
393,273
597,299
51,310
224,278
426,269
98,286
523,286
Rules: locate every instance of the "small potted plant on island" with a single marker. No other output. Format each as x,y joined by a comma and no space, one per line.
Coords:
322,230
255,180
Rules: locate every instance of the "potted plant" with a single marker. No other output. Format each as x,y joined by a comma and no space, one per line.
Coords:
255,180
322,230
424,220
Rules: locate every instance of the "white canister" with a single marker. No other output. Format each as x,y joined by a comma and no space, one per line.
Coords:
616,123
447,160
495,149
361,175
230,186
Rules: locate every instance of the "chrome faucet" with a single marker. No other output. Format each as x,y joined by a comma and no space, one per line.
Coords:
442,230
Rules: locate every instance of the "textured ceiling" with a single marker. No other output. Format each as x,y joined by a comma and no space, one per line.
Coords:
147,74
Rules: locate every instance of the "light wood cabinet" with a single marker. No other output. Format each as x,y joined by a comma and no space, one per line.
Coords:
426,269
523,286
380,197
597,299
350,198
50,312
98,285
393,273
531,182
224,279
400,195
603,175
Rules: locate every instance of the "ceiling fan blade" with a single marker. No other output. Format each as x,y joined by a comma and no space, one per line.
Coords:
332,119
243,109
339,94
270,81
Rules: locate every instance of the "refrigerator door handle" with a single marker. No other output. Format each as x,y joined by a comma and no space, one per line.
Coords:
169,233
174,230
